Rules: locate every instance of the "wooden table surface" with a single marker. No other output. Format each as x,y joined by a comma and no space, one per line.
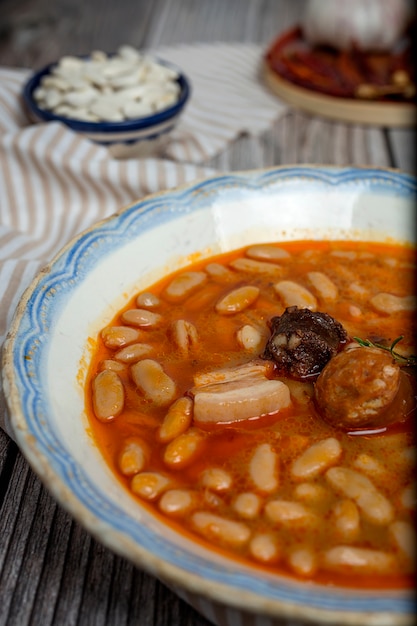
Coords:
51,570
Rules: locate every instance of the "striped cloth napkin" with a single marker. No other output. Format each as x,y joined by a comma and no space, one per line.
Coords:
54,183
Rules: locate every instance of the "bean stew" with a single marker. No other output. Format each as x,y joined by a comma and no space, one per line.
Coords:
262,402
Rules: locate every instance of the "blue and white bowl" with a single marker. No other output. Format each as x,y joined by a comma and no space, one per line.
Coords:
89,281
138,137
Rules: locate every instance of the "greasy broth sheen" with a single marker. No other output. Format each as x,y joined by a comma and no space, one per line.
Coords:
359,271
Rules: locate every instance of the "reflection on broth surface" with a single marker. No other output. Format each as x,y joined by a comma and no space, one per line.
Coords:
211,400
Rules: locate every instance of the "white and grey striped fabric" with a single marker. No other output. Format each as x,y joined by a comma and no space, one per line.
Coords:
55,183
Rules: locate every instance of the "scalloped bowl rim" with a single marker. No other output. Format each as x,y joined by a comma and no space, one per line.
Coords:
31,343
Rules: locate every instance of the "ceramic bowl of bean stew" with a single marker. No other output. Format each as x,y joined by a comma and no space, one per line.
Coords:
217,382
128,101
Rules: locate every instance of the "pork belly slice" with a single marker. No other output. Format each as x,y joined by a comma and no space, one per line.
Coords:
239,398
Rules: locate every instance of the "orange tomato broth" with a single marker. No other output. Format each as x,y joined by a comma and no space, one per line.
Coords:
232,443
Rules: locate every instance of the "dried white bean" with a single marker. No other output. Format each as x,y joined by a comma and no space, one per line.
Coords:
177,502
154,383
247,505
183,449
264,468
183,285
119,336
293,294
216,479
316,459
177,420
141,318
108,395
150,485
237,300
133,352
220,529
87,83
264,547
375,507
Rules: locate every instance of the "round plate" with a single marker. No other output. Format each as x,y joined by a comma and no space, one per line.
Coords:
342,109
49,347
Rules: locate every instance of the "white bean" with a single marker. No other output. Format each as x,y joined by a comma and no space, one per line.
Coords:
264,468
133,352
388,303
183,285
370,466
237,300
177,420
108,395
290,514
403,536
310,492
183,449
150,485
375,507
119,336
323,285
220,529
351,559
247,505
141,318
264,547
219,273
147,299
177,502
154,383
346,520
110,364
316,459
408,497
249,338
293,294
133,457
302,561
216,479
257,267
184,335
267,252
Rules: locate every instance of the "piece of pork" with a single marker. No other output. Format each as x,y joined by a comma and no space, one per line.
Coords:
236,394
302,342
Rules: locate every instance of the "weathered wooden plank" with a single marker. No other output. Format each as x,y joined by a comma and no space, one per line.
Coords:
16,519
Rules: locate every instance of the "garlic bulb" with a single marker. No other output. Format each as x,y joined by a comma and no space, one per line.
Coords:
368,24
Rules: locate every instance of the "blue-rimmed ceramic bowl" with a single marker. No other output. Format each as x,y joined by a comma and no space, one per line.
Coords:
139,137
47,353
